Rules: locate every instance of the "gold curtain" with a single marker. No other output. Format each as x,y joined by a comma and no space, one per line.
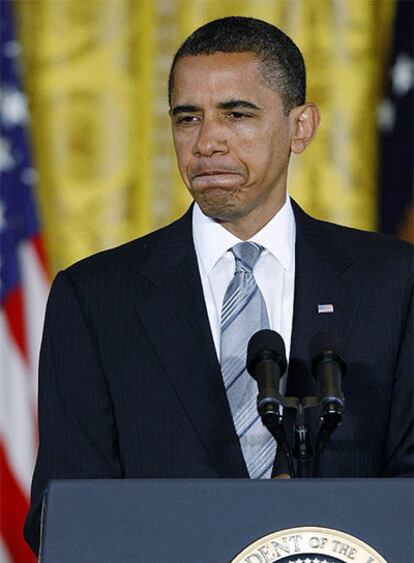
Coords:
96,75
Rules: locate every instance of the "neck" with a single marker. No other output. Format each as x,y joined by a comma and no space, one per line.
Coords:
246,227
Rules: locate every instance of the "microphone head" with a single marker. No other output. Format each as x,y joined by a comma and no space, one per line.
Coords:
266,345
326,344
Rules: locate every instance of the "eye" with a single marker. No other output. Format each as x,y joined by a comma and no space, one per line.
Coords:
237,115
185,119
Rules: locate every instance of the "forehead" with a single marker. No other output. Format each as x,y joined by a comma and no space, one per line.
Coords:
229,74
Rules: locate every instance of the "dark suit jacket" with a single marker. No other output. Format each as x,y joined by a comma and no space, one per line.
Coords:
130,385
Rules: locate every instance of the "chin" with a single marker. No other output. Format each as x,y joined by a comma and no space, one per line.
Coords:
218,204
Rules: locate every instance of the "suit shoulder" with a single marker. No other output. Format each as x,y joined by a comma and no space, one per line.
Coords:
126,259
370,247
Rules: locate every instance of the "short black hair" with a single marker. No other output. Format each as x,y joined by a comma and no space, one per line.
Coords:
282,64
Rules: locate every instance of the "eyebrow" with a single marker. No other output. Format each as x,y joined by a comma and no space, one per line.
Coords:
230,104
238,104
184,109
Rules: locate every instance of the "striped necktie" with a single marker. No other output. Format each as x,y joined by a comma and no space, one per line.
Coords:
244,313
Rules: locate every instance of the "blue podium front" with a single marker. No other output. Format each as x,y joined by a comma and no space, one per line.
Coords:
223,521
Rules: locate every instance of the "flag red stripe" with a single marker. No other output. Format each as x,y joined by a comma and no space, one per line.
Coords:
39,247
14,310
13,509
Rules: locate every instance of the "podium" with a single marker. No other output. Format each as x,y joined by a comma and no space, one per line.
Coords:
225,520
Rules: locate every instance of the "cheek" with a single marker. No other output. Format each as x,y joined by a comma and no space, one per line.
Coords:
246,147
256,153
183,154
274,151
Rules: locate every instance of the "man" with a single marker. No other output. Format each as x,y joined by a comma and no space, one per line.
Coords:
144,345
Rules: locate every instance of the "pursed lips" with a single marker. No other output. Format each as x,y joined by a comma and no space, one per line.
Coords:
207,175
203,173
222,179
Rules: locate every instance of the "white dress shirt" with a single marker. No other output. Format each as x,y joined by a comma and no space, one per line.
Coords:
274,271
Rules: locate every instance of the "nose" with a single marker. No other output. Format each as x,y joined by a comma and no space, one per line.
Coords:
211,139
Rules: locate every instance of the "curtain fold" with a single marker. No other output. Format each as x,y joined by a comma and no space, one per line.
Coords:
96,75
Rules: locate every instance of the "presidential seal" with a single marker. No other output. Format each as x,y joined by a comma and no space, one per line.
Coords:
309,545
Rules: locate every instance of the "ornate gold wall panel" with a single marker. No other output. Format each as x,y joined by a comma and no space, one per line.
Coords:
96,73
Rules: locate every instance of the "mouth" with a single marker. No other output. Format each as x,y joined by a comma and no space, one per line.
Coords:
216,178
213,173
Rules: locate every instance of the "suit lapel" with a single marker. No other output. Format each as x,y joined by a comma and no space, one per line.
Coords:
320,279
175,319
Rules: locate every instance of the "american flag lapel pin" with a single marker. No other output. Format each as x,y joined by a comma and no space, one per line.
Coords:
325,308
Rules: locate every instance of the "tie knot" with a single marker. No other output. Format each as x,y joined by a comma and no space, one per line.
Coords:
246,255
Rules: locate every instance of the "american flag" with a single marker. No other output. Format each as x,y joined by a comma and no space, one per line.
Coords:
397,132
23,291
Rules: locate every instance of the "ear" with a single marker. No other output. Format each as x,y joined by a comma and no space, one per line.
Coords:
304,121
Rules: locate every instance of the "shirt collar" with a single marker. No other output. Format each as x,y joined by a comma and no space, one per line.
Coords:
212,241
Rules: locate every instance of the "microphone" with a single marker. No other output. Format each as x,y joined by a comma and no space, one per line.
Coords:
266,363
328,368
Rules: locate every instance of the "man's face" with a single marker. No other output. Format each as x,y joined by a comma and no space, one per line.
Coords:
232,139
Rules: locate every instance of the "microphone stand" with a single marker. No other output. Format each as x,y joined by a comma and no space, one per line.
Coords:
302,446
272,419
269,411
302,450
330,419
